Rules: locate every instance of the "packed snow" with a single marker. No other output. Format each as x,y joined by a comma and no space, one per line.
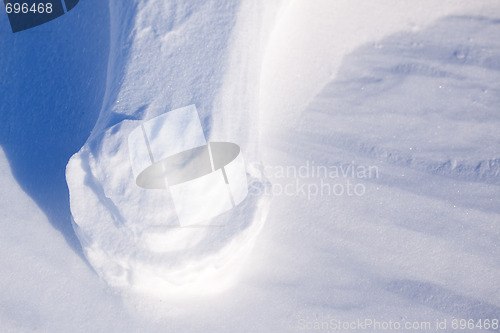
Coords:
369,134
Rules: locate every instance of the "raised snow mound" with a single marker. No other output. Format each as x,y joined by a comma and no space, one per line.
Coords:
166,55
426,99
131,235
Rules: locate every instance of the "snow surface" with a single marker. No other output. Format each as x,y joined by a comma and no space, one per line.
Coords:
130,234
410,89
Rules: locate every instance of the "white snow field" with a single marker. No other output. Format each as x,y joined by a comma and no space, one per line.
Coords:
370,135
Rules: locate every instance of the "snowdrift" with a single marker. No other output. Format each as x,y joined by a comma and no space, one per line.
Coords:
130,235
332,82
427,100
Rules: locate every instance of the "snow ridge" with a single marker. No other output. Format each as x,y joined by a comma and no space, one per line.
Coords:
131,235
403,99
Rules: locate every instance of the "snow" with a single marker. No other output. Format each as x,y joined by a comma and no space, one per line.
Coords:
409,90
411,93
119,224
46,286
311,39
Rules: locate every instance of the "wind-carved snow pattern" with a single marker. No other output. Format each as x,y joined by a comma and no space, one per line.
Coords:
131,235
433,95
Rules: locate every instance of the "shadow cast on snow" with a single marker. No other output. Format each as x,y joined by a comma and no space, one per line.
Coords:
52,83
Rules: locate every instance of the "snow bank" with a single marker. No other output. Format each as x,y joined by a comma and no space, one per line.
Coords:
166,55
421,239
312,38
426,99
416,247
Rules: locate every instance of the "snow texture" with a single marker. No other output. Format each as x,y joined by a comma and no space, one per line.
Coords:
409,89
130,235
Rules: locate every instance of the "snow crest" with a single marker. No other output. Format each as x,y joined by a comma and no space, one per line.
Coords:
402,100
130,235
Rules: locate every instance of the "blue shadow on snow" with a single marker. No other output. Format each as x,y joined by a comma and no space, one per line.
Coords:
52,82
